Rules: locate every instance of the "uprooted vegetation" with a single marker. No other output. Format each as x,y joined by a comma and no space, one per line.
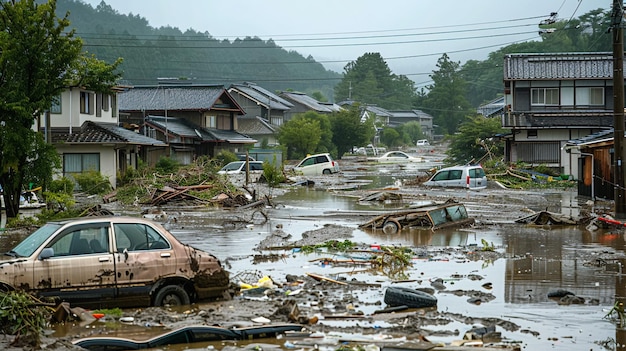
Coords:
24,316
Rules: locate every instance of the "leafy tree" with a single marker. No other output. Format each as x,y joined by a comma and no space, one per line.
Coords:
348,130
475,139
446,100
38,59
369,80
326,133
390,137
411,132
300,136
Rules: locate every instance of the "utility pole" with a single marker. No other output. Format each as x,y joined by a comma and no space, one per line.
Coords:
618,109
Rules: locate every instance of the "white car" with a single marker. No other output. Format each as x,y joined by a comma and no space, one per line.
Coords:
240,167
396,157
317,165
422,142
468,176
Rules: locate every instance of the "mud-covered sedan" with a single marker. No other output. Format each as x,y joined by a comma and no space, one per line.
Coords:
112,261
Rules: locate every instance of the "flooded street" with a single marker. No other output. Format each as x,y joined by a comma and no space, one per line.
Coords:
541,259
538,260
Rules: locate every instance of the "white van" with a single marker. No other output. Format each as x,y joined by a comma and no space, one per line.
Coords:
240,167
471,177
317,165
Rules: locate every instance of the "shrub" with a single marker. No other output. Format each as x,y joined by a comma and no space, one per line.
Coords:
225,157
166,165
273,174
92,182
62,185
23,316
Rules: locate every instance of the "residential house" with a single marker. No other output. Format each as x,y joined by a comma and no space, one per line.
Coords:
553,98
303,103
493,108
425,120
209,110
83,127
264,112
595,164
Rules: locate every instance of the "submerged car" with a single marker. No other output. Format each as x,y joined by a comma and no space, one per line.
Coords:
396,157
240,167
468,176
433,217
112,261
317,165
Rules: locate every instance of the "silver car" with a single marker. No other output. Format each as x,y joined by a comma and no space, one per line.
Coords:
468,176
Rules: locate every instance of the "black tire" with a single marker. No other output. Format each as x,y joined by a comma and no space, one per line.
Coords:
172,295
399,296
326,171
391,226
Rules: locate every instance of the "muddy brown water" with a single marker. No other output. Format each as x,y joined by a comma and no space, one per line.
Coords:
538,260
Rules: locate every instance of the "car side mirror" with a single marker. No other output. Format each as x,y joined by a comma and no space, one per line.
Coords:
46,253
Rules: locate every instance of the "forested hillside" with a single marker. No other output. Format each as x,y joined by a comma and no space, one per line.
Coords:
152,53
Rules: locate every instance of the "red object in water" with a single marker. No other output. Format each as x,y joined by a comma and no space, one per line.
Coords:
98,315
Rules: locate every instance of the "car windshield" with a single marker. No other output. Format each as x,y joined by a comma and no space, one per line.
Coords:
34,241
233,166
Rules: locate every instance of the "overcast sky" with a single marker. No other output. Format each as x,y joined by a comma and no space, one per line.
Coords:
409,34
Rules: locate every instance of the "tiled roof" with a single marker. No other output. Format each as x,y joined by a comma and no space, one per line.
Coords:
598,137
99,133
491,108
558,66
304,99
184,128
263,96
254,126
172,97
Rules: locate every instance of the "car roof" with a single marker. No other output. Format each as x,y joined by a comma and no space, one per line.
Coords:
460,167
95,219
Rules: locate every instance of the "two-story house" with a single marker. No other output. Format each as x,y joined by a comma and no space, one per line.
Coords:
303,103
264,112
83,127
169,112
553,98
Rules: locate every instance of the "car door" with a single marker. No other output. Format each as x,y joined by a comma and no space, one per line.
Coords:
81,267
144,256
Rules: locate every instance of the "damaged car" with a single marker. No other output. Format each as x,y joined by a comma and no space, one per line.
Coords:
112,261
433,217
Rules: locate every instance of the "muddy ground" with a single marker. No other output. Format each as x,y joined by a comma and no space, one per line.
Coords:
331,298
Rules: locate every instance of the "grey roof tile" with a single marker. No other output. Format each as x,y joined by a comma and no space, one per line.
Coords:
180,98
558,66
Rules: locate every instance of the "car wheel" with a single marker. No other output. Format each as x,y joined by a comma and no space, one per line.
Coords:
326,171
391,226
400,296
172,295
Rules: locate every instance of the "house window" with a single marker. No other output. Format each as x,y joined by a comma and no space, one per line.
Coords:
79,163
86,103
105,102
590,96
544,96
99,98
56,104
113,105
211,122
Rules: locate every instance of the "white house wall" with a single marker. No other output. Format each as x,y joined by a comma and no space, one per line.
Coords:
71,116
108,158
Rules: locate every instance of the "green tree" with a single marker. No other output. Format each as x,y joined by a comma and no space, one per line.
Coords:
326,133
300,136
446,100
391,137
411,132
369,80
475,139
348,130
38,59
